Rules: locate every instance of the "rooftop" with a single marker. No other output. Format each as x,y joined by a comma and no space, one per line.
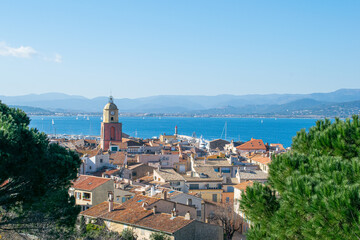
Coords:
253,175
133,212
169,174
253,144
205,173
260,158
212,162
242,186
87,182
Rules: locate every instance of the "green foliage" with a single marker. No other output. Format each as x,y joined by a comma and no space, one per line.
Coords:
128,234
38,176
317,187
96,232
159,236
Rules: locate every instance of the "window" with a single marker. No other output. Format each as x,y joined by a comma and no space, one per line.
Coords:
90,167
198,213
86,196
114,149
101,160
78,195
112,118
230,189
225,170
214,197
227,199
194,186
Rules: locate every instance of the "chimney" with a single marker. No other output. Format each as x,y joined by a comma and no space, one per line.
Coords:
173,213
164,194
152,191
187,216
154,209
144,205
111,201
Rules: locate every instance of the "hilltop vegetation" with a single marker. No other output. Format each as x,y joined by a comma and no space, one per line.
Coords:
313,191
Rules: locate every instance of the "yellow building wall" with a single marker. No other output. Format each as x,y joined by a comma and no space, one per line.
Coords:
82,201
107,116
207,194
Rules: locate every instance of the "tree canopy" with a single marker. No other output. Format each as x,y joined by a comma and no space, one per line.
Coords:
313,191
34,176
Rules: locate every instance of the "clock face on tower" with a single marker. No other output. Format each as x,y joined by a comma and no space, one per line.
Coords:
112,113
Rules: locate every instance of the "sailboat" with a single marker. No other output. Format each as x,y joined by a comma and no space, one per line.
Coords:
224,131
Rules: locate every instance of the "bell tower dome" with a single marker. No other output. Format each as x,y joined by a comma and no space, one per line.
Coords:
110,112
111,129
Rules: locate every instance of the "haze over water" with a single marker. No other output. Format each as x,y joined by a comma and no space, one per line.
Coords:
271,130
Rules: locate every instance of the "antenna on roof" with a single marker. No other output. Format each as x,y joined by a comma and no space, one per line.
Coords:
111,99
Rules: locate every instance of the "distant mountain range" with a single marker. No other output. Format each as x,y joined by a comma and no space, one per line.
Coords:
343,102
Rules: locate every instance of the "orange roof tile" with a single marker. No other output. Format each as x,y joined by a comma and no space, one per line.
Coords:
253,144
279,145
87,182
117,158
242,186
260,159
133,212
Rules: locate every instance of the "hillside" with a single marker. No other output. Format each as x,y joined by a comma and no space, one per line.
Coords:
343,102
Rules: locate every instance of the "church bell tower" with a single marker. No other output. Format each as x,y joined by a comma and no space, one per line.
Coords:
111,129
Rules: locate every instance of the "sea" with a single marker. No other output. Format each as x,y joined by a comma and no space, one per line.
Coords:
270,130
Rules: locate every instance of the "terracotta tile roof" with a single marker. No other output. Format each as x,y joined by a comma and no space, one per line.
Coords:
253,144
112,171
87,182
93,141
260,159
121,145
146,179
242,186
117,158
164,222
279,145
91,152
133,212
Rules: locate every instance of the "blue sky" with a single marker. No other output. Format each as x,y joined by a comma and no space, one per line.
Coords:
145,48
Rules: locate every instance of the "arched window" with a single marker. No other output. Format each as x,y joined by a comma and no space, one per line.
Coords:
112,133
